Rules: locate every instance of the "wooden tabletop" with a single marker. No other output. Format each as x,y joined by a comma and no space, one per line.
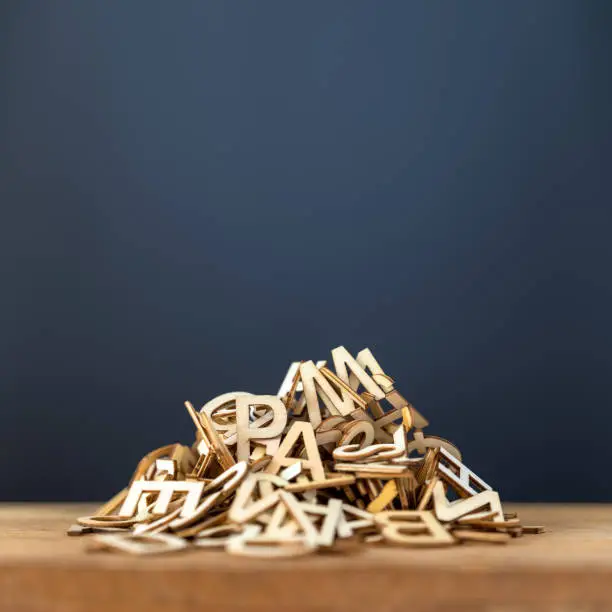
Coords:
567,568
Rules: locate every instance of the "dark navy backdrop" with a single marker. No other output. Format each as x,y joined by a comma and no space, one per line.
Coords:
195,193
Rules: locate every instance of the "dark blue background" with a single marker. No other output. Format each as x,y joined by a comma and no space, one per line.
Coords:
195,193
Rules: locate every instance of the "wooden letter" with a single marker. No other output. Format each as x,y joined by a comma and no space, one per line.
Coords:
311,462
422,443
244,507
366,359
246,433
316,385
387,495
165,491
487,501
458,476
355,429
291,372
342,358
226,404
413,528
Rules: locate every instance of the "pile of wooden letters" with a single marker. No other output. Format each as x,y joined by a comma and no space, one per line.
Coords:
335,459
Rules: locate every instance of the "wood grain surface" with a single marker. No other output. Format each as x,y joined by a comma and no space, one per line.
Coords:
569,568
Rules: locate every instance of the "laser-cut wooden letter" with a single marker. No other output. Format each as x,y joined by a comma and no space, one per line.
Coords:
311,462
344,361
412,528
245,433
486,501
317,385
458,476
165,491
288,381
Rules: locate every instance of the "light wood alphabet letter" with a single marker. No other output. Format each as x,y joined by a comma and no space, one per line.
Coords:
165,491
245,433
486,502
291,372
413,528
458,476
344,361
311,462
317,385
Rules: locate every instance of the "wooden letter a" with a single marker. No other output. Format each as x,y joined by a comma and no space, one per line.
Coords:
311,462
